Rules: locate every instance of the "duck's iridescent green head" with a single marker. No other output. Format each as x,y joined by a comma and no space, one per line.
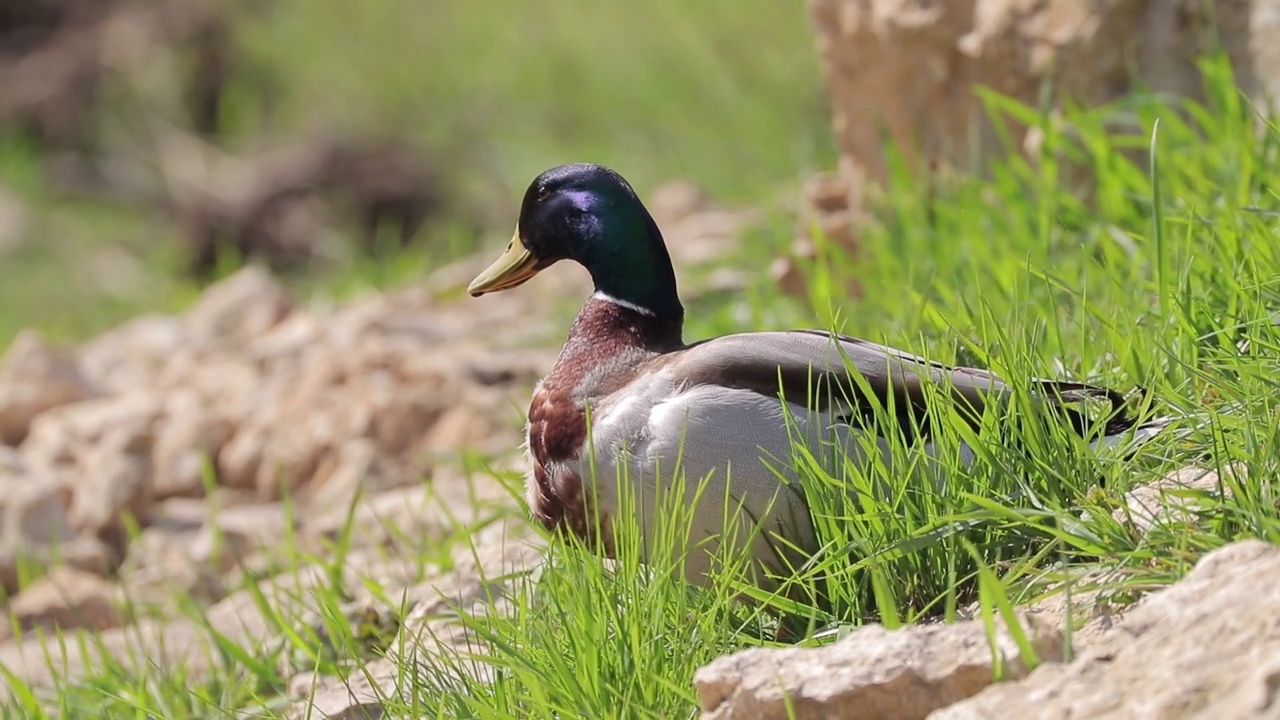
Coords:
589,214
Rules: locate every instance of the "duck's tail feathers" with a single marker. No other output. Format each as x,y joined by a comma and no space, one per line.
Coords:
1125,426
1134,436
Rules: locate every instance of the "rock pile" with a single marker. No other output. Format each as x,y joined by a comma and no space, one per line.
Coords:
198,429
252,396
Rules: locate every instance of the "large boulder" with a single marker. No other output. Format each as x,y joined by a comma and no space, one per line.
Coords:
872,673
1208,647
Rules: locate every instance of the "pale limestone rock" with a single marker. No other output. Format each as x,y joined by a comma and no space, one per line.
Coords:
233,533
35,507
871,674
166,644
34,516
1092,617
11,462
891,64
84,553
388,390
239,309
419,514
59,438
675,200
1174,498
36,377
114,486
187,442
104,447
64,599
329,402
159,571
463,425
1207,647
131,357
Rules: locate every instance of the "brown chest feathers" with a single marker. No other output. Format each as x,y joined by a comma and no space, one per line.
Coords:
607,346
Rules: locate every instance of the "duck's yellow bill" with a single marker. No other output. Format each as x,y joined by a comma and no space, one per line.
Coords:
514,267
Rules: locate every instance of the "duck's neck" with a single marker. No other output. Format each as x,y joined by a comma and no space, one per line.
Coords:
631,267
608,326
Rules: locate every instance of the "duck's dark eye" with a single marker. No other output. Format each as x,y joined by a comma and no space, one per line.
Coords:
543,193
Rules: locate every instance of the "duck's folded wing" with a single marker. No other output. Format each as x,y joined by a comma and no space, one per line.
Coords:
822,369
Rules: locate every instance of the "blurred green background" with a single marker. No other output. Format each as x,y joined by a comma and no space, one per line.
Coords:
726,94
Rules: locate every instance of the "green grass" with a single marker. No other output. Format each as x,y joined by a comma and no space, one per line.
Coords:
726,94
1097,260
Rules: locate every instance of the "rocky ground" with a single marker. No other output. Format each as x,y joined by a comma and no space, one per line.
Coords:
200,427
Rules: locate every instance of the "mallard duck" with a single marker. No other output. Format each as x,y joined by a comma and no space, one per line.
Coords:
725,409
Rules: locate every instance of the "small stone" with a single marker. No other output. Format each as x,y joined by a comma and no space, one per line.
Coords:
460,426
66,599
333,491
60,438
37,511
103,446
159,571
240,457
116,484
33,503
34,514
236,310
132,356
187,441
86,554
11,462
181,514
35,377
673,201
303,684
234,533
1173,498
